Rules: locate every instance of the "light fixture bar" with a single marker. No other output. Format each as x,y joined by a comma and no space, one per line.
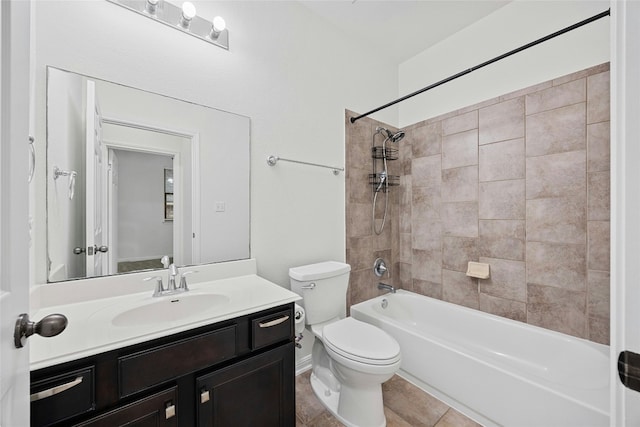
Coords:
172,16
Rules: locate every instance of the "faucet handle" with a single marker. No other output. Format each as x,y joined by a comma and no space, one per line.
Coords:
183,279
159,285
165,261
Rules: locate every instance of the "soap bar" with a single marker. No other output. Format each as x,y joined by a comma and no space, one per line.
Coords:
478,269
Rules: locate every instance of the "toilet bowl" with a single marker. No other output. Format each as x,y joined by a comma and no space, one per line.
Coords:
350,359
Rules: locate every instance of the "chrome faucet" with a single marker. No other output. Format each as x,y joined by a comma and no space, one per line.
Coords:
173,272
384,286
171,278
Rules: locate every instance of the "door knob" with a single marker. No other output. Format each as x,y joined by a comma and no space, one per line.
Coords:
49,326
101,248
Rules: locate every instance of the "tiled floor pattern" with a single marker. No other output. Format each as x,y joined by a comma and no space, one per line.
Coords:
405,406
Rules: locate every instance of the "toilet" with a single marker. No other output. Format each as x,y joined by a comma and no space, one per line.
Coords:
350,359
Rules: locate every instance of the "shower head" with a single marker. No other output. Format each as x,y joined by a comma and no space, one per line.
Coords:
395,137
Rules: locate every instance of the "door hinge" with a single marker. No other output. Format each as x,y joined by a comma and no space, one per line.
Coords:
629,369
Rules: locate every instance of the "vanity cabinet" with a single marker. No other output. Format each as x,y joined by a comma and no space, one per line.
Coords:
237,372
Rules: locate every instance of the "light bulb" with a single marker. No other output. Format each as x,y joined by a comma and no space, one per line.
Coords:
217,27
188,13
151,7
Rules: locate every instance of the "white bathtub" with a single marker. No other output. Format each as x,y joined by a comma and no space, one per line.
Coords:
494,370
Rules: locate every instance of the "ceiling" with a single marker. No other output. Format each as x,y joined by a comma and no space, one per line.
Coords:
400,29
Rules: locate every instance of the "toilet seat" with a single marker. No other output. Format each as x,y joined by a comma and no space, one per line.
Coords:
361,342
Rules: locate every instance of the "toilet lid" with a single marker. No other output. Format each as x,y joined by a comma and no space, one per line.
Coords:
361,341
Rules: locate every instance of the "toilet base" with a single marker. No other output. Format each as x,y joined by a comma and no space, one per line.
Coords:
331,400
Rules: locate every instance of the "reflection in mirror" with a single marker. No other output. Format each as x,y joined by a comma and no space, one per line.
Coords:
124,181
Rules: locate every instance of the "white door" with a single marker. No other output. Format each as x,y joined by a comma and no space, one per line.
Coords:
95,188
14,208
112,203
625,235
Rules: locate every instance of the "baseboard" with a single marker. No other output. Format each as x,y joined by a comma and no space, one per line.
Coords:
304,364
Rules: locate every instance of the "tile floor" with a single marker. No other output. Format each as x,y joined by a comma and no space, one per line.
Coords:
405,406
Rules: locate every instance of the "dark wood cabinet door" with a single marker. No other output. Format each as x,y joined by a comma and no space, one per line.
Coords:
158,410
259,391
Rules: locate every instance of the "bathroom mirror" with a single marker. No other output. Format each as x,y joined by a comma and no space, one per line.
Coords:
112,204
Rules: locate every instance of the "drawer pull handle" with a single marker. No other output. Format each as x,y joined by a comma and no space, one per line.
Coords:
204,396
273,322
55,390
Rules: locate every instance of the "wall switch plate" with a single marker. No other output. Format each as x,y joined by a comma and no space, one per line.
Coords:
221,206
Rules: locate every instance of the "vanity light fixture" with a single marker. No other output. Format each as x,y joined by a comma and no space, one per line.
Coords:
183,18
151,7
188,13
217,27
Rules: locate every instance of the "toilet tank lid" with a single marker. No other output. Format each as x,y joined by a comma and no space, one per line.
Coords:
321,270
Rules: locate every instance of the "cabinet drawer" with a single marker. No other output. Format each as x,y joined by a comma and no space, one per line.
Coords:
147,368
271,329
158,410
62,396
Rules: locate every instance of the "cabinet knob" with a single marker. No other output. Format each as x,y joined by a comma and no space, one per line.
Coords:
204,396
170,411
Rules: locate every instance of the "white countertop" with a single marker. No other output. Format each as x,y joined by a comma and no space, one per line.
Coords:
90,329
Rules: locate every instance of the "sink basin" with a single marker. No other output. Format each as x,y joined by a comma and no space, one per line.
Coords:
169,309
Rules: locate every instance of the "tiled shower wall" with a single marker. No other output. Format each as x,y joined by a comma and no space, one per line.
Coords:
520,182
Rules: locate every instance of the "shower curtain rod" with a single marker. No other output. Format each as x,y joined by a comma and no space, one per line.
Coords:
484,64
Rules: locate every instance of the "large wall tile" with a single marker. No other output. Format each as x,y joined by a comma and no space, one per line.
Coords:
599,196
598,98
358,189
502,239
460,149
599,287
426,203
557,220
599,245
460,219
558,96
507,279
502,160
501,121
359,252
557,309
426,140
460,184
556,175
459,289
556,131
359,219
427,235
460,123
458,251
558,265
599,330
598,143
405,248
502,199
427,265
514,310
430,289
426,172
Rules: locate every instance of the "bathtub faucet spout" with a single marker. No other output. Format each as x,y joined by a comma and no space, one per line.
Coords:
384,286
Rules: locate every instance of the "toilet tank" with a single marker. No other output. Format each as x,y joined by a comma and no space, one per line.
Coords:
323,288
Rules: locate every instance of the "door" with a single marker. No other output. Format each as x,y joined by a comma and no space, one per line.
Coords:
14,204
625,234
95,197
112,215
257,391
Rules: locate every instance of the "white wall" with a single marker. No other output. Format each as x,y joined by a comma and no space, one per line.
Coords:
285,69
142,232
510,27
